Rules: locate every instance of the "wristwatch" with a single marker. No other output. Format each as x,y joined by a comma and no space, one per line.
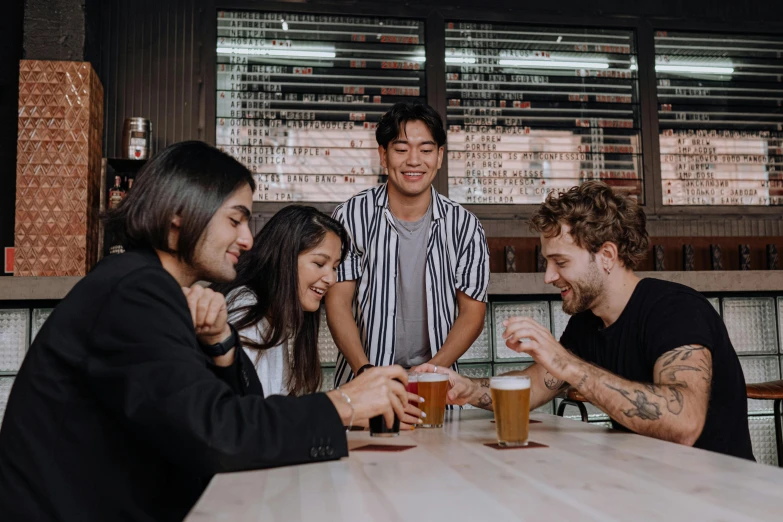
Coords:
363,368
221,348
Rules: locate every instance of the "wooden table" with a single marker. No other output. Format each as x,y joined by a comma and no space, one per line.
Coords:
587,473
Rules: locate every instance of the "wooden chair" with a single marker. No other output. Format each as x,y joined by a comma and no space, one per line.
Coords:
771,391
574,398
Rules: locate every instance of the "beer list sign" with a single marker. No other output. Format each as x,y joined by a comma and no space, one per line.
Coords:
536,109
299,97
720,118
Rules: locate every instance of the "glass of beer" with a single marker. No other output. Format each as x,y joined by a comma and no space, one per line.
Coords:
511,402
433,387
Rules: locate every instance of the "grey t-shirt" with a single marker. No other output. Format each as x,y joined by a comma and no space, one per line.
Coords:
412,336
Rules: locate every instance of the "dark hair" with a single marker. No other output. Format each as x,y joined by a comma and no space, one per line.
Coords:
596,215
269,275
394,121
190,179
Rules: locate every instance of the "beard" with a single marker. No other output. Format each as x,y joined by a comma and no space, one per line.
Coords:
584,292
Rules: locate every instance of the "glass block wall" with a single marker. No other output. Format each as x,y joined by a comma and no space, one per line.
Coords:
754,325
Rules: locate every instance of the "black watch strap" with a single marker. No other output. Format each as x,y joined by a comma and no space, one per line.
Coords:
221,348
363,368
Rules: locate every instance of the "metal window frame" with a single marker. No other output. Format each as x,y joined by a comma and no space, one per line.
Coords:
434,18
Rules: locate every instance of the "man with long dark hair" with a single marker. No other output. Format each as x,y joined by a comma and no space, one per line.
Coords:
134,392
413,287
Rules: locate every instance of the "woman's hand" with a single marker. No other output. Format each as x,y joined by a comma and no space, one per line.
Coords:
377,391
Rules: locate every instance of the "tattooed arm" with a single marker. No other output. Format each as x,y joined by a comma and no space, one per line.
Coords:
673,407
476,392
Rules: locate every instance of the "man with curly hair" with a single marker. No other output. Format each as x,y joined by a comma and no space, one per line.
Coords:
654,355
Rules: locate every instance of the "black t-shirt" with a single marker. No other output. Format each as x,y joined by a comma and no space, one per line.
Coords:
659,317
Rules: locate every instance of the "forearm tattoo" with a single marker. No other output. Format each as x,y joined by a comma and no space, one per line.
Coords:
643,409
671,392
552,382
485,399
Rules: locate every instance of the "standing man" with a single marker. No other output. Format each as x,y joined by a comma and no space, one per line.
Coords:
654,355
413,287
134,392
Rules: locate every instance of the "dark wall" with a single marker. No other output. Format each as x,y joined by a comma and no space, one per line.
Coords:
152,65
10,54
54,29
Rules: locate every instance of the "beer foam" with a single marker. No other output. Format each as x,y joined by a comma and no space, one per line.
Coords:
433,377
509,383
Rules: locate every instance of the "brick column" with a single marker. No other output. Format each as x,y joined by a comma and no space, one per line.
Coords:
58,168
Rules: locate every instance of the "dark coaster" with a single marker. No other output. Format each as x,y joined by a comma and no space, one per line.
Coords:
530,444
382,447
531,421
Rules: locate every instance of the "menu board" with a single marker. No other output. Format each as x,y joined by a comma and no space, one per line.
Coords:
720,118
536,109
299,97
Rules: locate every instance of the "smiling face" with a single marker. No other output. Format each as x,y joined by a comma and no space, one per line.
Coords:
574,271
226,237
412,160
318,271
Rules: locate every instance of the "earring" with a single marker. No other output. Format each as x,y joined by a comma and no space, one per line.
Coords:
608,271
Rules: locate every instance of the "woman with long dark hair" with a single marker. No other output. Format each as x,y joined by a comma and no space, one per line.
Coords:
275,300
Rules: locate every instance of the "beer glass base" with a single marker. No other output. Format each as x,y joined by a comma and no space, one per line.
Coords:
430,426
512,444
384,434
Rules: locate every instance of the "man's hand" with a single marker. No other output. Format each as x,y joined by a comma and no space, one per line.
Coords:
462,390
209,313
524,335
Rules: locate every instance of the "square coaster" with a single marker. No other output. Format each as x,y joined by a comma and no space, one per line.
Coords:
382,447
530,444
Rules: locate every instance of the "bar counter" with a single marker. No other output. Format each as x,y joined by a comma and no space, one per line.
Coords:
588,472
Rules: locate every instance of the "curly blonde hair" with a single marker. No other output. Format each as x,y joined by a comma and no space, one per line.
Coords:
596,215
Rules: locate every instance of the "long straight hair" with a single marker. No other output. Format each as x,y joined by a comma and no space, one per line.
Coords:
269,275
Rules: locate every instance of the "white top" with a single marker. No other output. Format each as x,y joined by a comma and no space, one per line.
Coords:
588,473
272,364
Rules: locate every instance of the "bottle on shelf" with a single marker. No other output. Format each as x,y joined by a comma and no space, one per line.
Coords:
116,193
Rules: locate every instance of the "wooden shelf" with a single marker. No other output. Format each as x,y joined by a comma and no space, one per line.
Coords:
38,288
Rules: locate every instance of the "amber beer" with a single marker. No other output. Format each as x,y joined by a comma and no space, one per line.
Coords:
433,387
511,402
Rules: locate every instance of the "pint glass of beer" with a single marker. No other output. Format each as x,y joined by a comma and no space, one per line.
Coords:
511,402
433,387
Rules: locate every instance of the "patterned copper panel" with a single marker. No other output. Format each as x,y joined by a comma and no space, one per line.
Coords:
58,168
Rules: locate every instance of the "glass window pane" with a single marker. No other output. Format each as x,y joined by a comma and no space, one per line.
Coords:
751,324
480,349
720,118
538,310
298,97
533,109
14,330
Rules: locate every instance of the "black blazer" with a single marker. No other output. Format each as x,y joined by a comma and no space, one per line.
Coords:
116,414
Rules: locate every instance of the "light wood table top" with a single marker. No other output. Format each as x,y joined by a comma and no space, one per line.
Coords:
587,473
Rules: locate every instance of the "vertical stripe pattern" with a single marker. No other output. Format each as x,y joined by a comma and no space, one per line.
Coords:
457,259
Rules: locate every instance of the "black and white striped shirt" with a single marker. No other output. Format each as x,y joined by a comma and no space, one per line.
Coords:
457,259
